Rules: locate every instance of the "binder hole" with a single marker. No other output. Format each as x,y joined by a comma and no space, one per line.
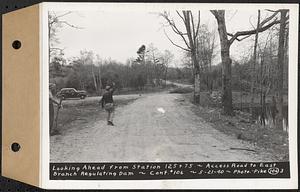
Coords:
15,147
16,44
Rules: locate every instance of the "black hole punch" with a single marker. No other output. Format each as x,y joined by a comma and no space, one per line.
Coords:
15,147
16,44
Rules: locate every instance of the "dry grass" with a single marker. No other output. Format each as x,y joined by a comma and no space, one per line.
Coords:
76,114
242,127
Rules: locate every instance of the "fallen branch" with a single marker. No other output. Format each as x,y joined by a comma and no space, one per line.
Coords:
245,149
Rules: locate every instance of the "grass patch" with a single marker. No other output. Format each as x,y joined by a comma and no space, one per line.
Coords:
77,114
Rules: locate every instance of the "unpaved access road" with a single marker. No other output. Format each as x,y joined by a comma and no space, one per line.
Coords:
154,128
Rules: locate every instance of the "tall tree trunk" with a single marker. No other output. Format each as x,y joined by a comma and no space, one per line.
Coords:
193,47
286,61
280,63
197,79
210,62
210,80
262,91
166,73
253,69
261,82
226,76
100,82
226,64
94,79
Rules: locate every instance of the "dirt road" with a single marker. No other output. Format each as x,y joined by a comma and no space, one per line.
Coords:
155,127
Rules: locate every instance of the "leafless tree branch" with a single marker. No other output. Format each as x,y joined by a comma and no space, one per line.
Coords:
73,26
198,25
266,20
63,14
251,22
193,27
238,39
251,32
180,16
176,44
271,10
175,29
214,12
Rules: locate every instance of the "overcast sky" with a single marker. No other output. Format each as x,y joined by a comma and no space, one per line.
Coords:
118,34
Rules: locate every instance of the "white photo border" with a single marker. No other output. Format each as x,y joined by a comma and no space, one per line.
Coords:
264,183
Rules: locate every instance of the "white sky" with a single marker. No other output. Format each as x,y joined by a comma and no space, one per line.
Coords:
118,34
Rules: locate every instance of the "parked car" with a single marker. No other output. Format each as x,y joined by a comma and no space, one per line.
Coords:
65,93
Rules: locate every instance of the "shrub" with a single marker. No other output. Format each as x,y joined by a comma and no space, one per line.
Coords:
182,90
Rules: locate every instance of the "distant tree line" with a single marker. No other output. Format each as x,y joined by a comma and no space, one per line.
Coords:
91,73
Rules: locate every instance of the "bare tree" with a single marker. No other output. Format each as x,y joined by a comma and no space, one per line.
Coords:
99,64
225,51
189,37
153,64
55,22
87,58
253,66
206,46
167,57
280,63
266,79
142,59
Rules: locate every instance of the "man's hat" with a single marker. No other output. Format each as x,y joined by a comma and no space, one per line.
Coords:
107,87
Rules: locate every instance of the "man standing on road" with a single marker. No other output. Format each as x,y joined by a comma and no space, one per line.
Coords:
51,107
107,103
